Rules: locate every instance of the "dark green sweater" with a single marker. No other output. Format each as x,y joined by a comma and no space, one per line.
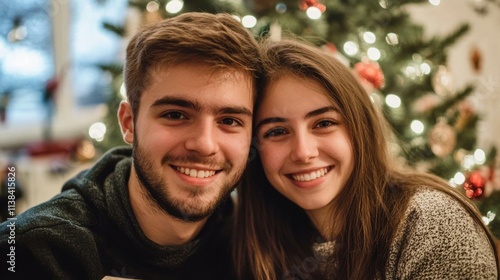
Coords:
89,231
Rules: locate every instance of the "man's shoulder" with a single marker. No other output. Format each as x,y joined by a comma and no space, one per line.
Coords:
68,209
47,239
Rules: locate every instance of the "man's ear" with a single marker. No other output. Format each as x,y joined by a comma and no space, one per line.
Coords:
126,120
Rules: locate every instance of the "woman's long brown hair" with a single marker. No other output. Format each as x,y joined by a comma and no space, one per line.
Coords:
274,236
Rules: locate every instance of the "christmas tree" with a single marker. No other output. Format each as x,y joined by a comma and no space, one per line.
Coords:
404,71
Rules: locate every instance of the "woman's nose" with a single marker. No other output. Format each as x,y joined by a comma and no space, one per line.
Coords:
304,148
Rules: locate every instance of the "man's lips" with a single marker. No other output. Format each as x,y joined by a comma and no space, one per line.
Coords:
196,172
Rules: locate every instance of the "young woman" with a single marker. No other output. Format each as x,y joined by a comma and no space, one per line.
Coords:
324,199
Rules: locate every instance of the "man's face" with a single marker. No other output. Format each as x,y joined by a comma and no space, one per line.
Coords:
191,138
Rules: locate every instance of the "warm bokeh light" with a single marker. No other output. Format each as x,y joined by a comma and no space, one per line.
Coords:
174,6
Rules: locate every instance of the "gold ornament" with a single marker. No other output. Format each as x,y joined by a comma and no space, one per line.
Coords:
443,82
466,114
476,60
442,138
85,151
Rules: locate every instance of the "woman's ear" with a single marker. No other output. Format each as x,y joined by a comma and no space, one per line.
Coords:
126,120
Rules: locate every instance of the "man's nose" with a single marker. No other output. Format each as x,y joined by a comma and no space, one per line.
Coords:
203,138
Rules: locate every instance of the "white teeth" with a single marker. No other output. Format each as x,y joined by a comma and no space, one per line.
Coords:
310,176
196,173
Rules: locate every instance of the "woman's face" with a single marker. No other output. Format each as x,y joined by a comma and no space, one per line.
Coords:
303,143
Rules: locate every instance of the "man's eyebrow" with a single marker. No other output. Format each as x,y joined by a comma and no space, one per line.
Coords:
316,112
169,100
239,110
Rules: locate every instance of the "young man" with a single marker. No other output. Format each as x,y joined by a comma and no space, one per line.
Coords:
161,209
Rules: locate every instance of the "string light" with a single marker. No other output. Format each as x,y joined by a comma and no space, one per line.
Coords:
459,178
417,126
249,21
490,216
152,6
411,72
174,6
393,101
313,13
468,162
479,156
373,53
97,131
369,37
281,8
425,68
392,39
351,48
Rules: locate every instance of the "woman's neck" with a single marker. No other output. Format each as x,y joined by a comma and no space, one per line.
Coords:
323,222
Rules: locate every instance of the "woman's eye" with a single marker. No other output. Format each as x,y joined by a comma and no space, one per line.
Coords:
173,116
325,123
230,122
275,132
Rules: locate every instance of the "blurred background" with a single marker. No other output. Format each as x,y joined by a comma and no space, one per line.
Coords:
432,67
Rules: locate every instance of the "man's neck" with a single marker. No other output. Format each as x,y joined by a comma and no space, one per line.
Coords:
157,225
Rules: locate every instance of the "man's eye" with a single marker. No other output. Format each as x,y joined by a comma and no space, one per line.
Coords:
230,122
275,132
173,115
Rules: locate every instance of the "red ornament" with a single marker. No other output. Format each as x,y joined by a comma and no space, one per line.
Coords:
474,185
304,4
52,85
476,59
371,72
329,47
50,89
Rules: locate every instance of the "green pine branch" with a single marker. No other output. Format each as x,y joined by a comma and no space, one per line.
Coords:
116,29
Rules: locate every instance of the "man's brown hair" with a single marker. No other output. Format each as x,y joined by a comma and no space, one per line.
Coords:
218,40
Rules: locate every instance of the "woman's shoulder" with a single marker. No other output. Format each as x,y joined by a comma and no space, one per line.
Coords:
436,209
439,236
436,236
427,201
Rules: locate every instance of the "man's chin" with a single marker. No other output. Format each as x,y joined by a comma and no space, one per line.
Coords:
194,210
191,216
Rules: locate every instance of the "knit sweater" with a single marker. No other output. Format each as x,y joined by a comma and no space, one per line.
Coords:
89,231
437,239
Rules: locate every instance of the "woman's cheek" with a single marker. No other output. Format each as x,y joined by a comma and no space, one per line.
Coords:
271,156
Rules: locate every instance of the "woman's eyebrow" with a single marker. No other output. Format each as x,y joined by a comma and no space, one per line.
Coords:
321,111
270,120
313,113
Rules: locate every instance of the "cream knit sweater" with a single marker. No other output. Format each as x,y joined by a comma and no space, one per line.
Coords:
436,240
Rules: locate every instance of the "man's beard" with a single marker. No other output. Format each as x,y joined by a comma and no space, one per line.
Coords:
157,191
